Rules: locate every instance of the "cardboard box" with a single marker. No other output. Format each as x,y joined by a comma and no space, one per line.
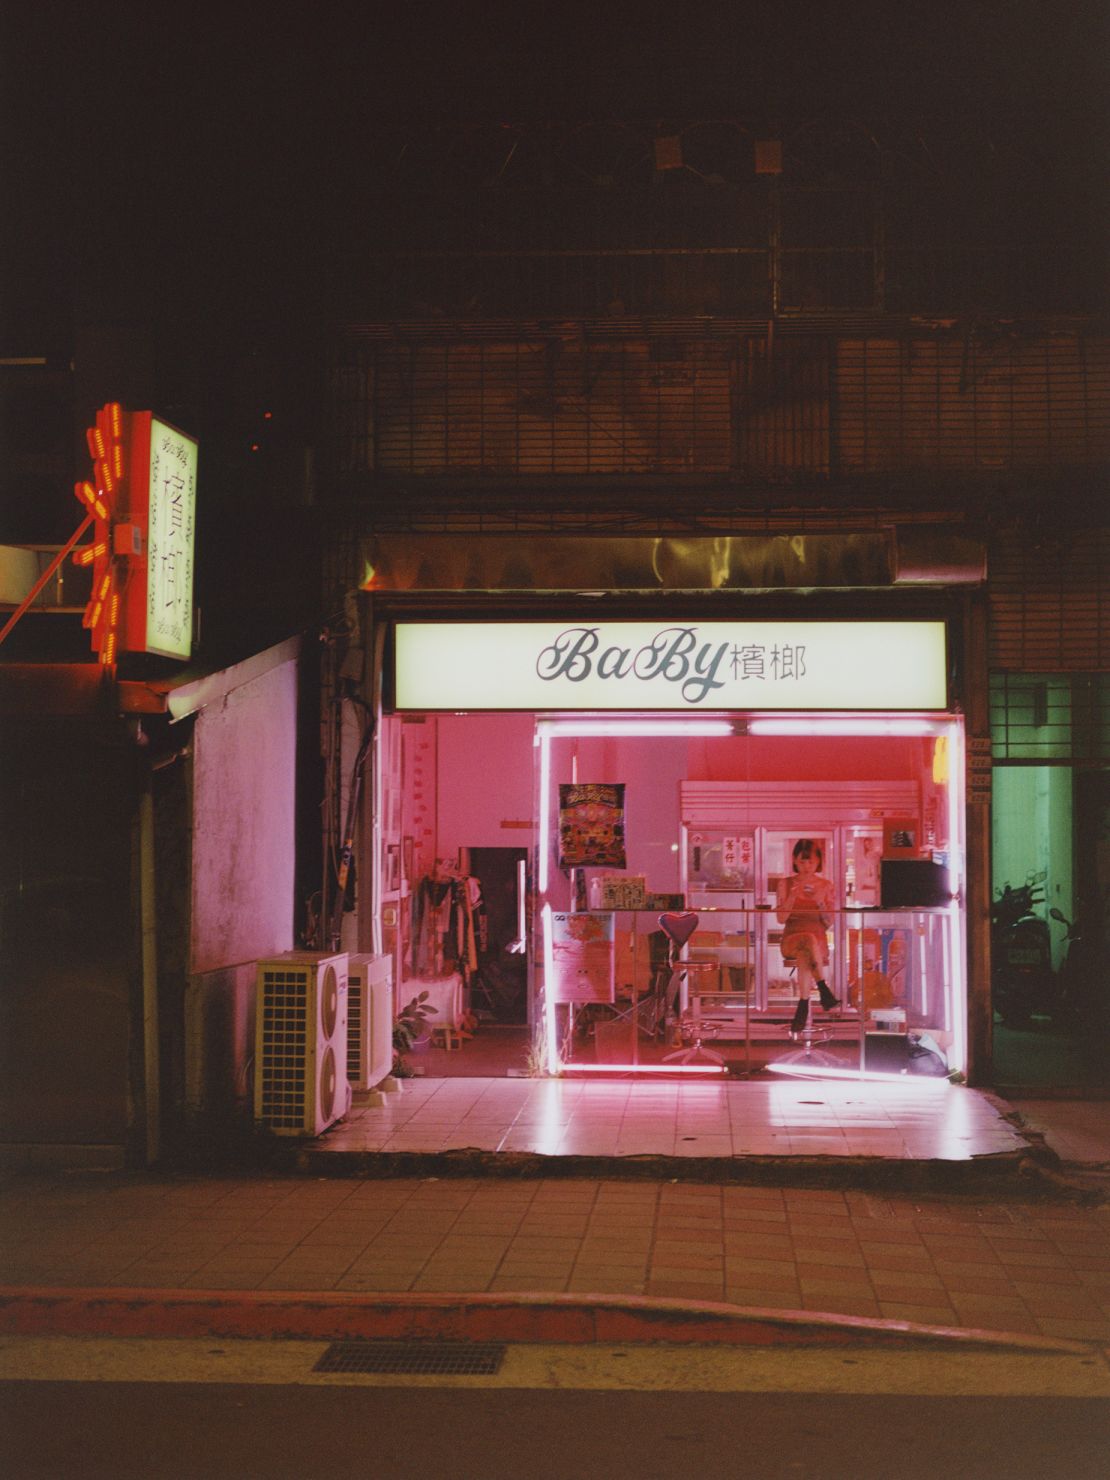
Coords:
663,902
626,893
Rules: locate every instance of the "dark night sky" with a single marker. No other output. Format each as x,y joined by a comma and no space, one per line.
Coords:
173,132
214,85
311,62
221,80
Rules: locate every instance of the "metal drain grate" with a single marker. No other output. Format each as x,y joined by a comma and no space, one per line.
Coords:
454,1358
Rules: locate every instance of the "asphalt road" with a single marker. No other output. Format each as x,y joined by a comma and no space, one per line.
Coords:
563,1413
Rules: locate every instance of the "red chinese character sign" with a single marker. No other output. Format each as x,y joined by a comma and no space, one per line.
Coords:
142,501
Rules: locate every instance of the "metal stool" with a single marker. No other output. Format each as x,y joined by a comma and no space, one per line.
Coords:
811,1055
692,1033
679,926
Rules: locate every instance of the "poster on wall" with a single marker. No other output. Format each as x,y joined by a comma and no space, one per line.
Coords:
583,955
591,825
721,859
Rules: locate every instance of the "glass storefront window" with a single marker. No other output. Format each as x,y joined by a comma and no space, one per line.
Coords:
709,826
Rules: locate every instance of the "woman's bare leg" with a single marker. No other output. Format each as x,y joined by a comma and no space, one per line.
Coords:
804,969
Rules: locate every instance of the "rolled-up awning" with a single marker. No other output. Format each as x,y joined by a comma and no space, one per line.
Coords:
575,563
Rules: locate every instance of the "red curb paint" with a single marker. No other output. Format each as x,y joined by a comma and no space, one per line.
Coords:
564,1319
531,1321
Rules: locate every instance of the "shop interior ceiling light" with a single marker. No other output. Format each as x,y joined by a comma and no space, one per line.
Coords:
858,725
636,727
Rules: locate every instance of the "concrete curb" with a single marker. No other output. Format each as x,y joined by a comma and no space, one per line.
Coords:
994,1172
580,1319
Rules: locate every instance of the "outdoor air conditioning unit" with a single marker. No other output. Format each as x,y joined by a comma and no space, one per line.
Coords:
369,1020
300,1057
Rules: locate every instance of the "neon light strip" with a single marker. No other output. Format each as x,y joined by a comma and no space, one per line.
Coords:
845,726
954,934
545,808
948,926
550,1033
636,727
569,1068
551,1041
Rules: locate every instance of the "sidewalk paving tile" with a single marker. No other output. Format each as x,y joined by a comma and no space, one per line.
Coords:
1037,1263
929,1315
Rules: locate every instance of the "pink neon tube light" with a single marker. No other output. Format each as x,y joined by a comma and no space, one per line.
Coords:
571,1068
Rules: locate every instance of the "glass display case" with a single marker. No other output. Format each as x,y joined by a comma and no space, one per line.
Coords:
898,970
720,877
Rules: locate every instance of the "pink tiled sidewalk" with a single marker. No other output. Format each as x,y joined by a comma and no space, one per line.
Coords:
1036,1266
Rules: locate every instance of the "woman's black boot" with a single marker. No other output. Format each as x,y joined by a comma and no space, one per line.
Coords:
801,1015
828,1001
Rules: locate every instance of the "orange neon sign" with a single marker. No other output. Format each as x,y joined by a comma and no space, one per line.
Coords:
104,495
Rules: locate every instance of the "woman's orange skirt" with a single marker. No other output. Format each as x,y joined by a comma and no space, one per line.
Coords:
810,942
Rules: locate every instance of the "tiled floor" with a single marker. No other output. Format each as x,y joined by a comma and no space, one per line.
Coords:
912,1120
1034,1266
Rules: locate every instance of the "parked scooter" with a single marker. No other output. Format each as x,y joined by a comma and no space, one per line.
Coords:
1022,981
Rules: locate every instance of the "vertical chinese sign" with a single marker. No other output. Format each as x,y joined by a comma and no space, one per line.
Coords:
165,464
142,500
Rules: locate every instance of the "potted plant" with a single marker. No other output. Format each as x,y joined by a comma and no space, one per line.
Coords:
410,1030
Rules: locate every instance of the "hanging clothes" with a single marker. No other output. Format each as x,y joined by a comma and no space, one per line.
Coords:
447,920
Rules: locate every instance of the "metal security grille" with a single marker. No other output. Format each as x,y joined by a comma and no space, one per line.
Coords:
974,402
355,1009
1058,718
1049,600
783,406
526,404
439,1358
284,1001
536,407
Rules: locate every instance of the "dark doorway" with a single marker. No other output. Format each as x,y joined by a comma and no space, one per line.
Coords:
499,992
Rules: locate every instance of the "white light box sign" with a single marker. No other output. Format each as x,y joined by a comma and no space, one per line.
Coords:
675,666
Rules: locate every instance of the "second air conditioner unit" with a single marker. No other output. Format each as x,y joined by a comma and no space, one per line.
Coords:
369,1020
300,1077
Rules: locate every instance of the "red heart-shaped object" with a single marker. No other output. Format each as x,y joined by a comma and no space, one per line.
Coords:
680,926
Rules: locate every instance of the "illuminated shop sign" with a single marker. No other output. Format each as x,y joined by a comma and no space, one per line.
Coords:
671,666
141,502
170,467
